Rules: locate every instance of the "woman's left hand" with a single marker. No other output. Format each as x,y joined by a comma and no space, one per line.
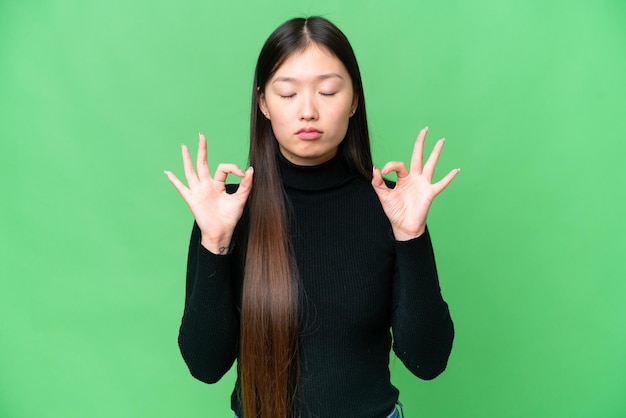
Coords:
408,203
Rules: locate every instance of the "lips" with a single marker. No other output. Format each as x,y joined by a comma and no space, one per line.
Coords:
309,133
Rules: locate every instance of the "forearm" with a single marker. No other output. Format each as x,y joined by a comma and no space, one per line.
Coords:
422,326
209,330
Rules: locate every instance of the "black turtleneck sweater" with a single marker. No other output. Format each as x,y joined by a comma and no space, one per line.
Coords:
360,286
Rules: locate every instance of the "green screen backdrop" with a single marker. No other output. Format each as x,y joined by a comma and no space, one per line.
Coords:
96,97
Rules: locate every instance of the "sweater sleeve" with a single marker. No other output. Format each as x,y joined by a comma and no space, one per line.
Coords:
209,330
422,327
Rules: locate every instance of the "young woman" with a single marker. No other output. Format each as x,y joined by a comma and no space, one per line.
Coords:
306,269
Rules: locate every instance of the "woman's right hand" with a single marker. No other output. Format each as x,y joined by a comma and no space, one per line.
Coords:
216,212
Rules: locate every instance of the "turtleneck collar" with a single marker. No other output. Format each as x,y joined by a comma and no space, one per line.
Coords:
328,175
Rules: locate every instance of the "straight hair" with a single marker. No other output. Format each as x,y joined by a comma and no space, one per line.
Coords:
269,357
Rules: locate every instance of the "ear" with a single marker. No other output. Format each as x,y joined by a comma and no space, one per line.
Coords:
262,103
355,103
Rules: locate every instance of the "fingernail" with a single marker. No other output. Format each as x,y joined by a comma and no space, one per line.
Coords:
426,128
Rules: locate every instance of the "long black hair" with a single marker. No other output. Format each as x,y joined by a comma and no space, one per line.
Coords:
268,358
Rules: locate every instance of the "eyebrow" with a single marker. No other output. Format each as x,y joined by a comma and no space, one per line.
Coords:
319,77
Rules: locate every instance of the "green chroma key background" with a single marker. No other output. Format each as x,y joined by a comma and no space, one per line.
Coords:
96,97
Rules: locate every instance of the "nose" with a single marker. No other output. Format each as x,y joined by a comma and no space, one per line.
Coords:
308,108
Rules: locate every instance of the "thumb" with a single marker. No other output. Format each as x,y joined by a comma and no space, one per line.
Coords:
246,183
379,185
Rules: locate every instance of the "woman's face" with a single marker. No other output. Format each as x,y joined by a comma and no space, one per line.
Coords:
309,102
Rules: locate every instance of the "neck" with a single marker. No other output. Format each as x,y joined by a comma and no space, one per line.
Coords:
330,174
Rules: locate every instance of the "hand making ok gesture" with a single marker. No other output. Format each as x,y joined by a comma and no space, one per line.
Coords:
216,211
408,203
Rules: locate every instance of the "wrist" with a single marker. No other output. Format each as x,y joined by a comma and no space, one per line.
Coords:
217,245
404,235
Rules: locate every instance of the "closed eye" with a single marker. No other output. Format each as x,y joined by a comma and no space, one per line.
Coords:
327,94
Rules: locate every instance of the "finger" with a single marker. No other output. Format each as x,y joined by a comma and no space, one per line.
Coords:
223,170
418,151
182,189
202,164
397,166
429,167
444,182
190,175
246,184
380,187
